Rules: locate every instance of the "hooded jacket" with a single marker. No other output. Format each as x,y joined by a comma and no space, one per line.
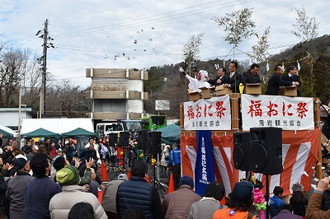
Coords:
61,204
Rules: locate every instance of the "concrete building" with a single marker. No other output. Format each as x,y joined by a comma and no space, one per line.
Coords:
10,117
117,93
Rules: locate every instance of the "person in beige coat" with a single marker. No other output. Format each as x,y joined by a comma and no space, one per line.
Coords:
72,194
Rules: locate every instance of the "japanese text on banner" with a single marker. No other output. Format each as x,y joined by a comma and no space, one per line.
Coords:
208,114
288,113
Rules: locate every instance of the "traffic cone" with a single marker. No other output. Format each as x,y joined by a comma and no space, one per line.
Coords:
104,173
171,184
100,195
129,174
148,178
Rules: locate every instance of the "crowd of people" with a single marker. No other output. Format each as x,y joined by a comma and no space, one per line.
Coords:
48,180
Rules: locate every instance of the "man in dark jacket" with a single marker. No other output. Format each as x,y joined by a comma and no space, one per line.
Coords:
16,190
252,75
292,76
27,148
40,190
234,78
220,79
136,193
88,153
275,82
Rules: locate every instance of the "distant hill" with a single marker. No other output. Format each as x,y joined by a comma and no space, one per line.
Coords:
317,47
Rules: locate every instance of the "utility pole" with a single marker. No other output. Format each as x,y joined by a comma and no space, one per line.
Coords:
19,116
44,65
44,35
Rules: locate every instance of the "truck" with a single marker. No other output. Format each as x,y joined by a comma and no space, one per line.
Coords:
106,128
153,122
131,125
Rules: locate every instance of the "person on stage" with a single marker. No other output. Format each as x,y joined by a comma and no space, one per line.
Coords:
252,75
275,82
234,78
198,82
293,76
220,79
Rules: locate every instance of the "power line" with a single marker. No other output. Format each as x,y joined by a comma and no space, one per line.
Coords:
141,19
157,19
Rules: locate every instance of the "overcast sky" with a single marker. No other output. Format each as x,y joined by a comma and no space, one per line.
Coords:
141,34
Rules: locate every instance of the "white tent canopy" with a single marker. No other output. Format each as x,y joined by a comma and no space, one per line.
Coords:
58,126
6,129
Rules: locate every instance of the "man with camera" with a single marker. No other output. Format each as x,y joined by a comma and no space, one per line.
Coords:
314,204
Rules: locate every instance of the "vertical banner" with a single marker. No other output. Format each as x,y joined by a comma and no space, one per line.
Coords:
204,169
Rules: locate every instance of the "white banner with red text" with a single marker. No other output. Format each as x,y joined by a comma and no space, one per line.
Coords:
208,114
288,113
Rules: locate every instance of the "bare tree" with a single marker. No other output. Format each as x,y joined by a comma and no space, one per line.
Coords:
65,99
172,91
305,27
13,63
191,50
260,50
31,83
238,25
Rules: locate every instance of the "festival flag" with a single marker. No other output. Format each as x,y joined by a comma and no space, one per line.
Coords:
204,167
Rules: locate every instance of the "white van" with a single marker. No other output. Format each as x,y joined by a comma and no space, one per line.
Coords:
109,127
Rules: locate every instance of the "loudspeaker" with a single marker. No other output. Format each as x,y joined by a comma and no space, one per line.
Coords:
241,153
154,143
124,139
266,150
113,137
142,139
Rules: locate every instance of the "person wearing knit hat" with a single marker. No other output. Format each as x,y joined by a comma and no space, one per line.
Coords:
72,193
177,204
68,176
239,203
186,180
242,192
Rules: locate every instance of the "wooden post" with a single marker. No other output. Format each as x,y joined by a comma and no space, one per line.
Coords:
317,112
317,119
181,116
234,111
